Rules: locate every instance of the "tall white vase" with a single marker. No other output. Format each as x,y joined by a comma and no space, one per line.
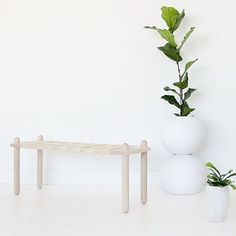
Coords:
217,203
183,173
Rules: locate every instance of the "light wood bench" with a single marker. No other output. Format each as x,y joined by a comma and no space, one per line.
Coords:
123,150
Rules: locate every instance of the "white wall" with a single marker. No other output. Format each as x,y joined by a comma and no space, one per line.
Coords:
86,70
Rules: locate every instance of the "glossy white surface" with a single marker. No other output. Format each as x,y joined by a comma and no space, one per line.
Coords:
95,211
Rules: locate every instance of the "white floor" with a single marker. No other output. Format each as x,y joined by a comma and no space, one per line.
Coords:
94,211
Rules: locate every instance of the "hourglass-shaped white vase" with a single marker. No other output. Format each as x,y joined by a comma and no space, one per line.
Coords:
183,173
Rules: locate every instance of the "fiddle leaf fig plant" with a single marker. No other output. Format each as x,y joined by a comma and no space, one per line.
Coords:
172,50
215,178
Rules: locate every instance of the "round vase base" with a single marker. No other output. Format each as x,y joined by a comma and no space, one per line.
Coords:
183,174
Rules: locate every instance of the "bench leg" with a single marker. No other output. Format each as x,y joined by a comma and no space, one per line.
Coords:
144,174
40,165
125,179
17,167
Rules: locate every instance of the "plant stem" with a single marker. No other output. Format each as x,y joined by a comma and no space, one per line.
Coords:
180,90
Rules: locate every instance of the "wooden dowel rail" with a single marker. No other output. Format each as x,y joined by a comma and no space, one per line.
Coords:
40,165
16,166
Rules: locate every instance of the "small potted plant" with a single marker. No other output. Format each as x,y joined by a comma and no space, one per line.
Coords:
217,192
182,134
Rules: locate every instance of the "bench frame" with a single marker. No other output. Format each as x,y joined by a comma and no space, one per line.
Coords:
124,150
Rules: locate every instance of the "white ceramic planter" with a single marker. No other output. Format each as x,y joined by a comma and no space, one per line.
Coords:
182,135
217,203
183,175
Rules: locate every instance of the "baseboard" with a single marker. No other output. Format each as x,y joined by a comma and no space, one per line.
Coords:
78,177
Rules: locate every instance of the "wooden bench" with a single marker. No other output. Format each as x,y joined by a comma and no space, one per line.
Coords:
123,150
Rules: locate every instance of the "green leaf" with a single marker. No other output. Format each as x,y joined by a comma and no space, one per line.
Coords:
151,27
188,93
233,186
187,66
226,182
211,166
167,88
185,109
170,16
214,178
167,35
224,175
171,52
186,37
215,175
215,183
171,99
178,20
234,174
183,84
170,89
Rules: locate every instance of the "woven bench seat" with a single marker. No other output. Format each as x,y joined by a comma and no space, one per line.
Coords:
123,150
89,148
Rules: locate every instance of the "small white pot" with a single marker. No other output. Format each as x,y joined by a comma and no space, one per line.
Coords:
182,135
217,203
